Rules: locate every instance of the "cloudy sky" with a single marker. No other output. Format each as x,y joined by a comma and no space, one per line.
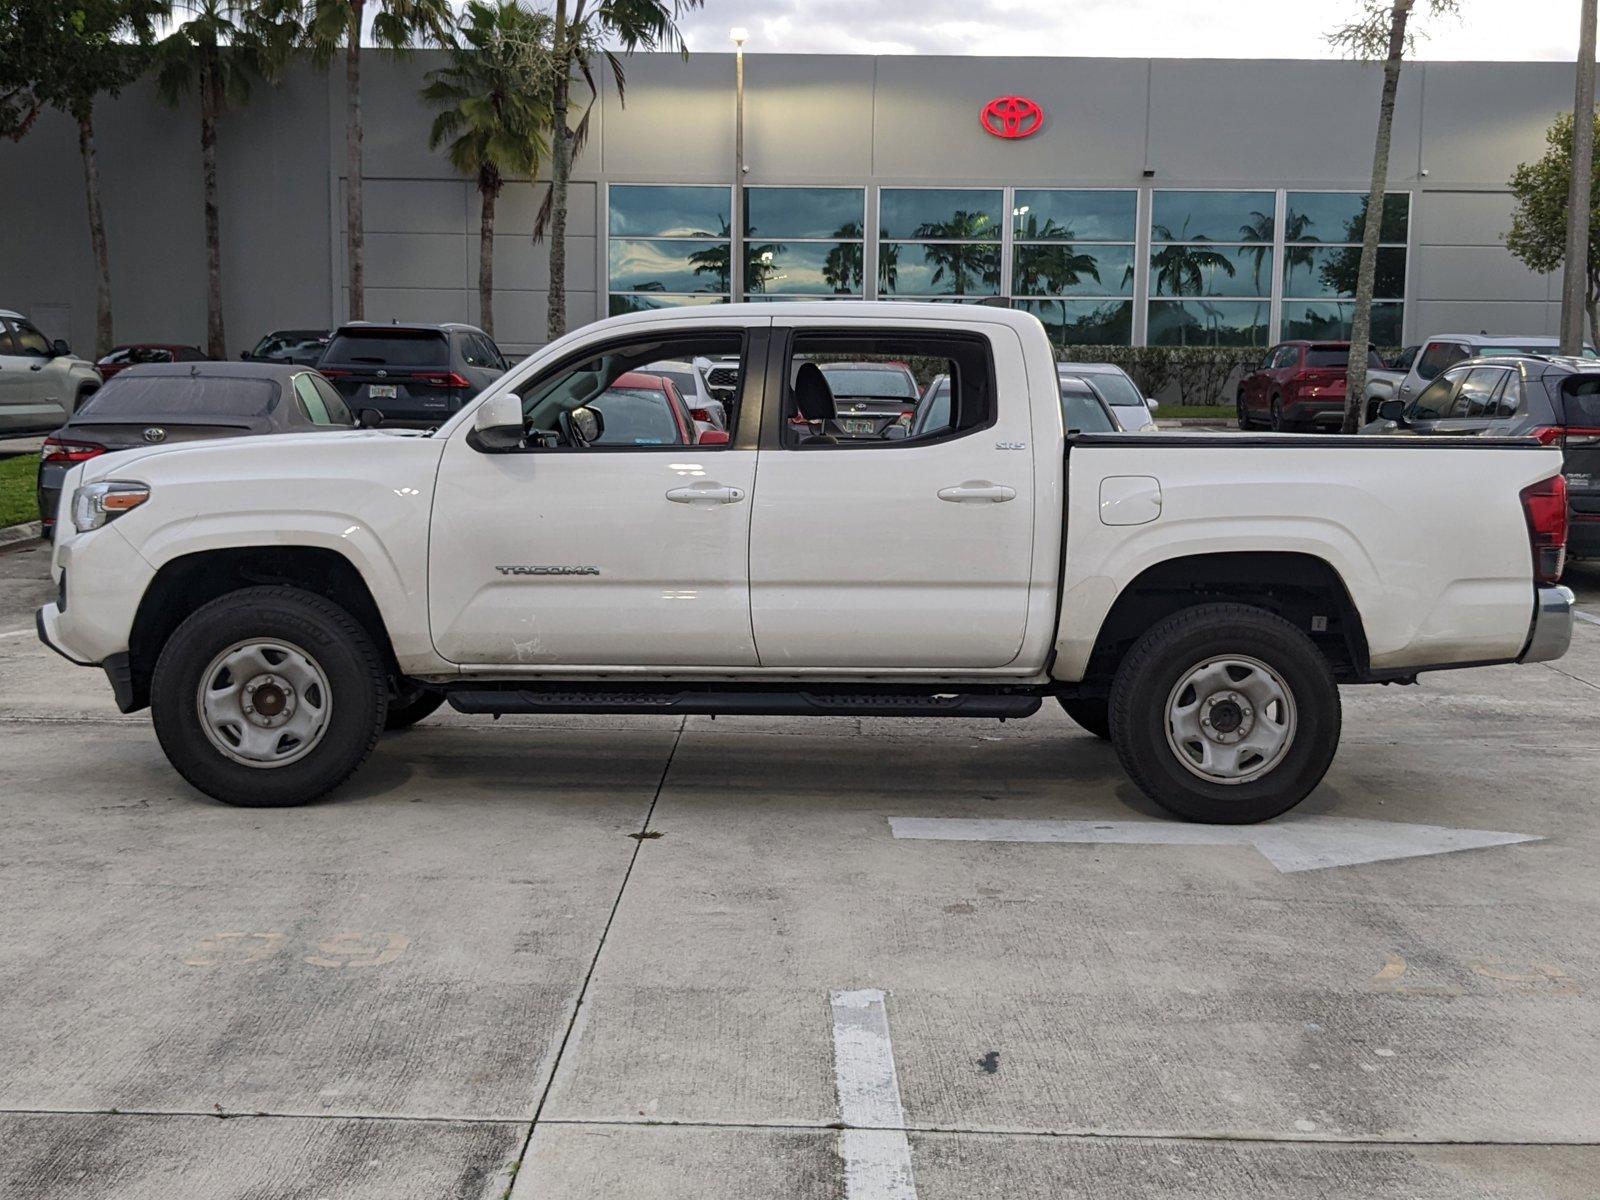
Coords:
1487,29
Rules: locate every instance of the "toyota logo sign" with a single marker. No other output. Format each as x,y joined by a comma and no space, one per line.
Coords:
1011,117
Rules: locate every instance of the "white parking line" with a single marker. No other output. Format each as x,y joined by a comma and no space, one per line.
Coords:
17,633
876,1152
1290,843
1589,617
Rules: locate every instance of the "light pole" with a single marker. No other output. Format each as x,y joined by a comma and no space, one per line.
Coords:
1575,273
738,35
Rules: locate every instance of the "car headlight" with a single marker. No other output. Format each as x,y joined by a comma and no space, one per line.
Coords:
98,503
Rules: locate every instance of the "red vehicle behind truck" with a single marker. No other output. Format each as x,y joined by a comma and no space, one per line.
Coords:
1299,385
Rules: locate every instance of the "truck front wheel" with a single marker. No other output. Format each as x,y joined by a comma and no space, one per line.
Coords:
268,696
1225,714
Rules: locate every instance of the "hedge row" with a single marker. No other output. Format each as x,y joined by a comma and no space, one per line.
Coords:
1200,375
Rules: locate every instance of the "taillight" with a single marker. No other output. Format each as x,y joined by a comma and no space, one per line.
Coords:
444,379
1562,435
333,373
65,450
1545,506
701,414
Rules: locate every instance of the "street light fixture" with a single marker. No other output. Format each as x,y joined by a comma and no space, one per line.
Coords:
739,35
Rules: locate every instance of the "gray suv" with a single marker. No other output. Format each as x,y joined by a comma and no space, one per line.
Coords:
41,381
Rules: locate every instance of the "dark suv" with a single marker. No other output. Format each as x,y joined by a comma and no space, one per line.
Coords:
1553,399
412,374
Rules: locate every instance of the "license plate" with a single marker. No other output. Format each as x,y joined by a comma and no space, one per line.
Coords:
850,425
381,391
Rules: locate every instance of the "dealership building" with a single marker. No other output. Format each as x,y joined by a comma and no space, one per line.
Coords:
1143,201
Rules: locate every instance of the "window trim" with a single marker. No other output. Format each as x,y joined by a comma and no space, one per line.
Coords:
781,355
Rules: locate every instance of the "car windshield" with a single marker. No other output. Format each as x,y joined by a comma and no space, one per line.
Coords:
863,381
136,354
1117,388
1084,413
283,345
388,348
180,398
636,417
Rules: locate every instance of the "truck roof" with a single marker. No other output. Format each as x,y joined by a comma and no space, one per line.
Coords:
878,310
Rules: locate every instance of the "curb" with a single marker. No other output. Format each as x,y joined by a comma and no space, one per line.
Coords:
27,531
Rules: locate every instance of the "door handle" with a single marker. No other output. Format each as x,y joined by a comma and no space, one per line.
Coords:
706,492
978,489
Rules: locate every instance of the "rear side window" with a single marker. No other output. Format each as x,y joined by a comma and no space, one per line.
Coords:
1437,356
337,412
311,402
1477,391
478,351
185,397
1083,413
1288,356
382,347
1508,403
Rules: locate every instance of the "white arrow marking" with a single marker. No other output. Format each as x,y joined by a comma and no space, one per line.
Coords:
1290,844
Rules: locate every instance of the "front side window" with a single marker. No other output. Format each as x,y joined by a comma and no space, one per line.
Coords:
885,388
311,402
668,246
29,340
638,408
1434,401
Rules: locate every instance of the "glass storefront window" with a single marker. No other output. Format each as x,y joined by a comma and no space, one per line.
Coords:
644,265
1322,259
1312,271
668,243
1073,215
1330,320
1084,322
1209,322
945,269
648,210
940,214
1341,216
1204,269
1065,269
631,302
1212,216
802,241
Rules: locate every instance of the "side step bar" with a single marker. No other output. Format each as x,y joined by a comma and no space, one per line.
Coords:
749,703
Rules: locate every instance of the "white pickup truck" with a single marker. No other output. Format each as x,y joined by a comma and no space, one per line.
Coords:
558,546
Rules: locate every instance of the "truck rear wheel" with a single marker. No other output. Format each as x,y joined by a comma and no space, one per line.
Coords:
1093,715
268,696
1225,714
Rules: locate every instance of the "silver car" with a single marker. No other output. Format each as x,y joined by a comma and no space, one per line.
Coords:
41,381
1113,385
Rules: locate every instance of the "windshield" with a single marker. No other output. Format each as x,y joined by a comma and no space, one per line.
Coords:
389,348
636,417
186,397
1084,413
862,381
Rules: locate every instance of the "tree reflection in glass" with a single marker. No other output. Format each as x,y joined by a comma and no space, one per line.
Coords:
963,262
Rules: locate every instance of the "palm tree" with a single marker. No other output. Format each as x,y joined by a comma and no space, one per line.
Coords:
1258,229
495,107
329,26
217,53
581,26
843,266
1182,269
963,260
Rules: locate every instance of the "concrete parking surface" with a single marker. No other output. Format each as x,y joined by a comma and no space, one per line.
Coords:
652,958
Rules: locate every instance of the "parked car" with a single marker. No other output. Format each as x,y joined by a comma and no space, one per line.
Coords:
1083,409
1554,400
412,374
301,346
135,353
646,409
1117,388
1383,383
870,396
1198,600
1298,384
690,379
159,404
41,381
1444,350
722,378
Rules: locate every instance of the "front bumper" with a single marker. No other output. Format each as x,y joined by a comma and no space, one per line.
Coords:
1552,624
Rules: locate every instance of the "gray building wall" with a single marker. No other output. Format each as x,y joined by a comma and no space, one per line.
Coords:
1460,130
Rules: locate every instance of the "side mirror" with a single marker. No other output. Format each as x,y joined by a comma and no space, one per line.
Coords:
1392,410
714,437
59,349
588,424
1152,405
702,363
369,418
497,425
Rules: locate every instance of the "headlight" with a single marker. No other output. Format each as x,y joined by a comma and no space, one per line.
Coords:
98,503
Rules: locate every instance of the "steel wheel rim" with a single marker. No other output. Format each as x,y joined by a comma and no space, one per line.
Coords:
264,703
1230,719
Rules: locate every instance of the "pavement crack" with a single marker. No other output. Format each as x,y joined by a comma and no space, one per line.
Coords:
639,839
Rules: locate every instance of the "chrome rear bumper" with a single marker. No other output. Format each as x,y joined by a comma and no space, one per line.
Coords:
1552,624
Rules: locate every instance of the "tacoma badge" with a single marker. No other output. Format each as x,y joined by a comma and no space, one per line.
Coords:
519,569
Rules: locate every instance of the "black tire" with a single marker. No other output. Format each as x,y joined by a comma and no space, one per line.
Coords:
1158,662
1094,715
358,694
1244,413
410,707
1279,425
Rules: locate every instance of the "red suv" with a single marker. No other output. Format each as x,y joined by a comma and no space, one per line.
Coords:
1298,383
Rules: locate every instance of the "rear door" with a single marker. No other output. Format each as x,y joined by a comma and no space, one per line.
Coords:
32,392
897,552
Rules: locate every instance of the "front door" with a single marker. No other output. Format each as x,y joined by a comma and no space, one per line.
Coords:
895,551
30,391
629,549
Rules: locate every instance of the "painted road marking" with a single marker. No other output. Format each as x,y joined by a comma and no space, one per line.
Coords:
1583,616
876,1152
1292,844
18,633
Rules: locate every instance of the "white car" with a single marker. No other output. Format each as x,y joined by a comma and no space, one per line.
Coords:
690,378
41,381
1117,388
1197,598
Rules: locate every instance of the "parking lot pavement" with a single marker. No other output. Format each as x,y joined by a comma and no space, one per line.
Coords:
465,967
